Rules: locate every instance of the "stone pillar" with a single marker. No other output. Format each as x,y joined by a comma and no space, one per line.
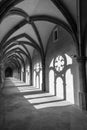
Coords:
83,87
31,82
24,74
20,73
0,71
43,76
0,78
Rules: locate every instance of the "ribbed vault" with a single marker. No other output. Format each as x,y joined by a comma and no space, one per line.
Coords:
26,25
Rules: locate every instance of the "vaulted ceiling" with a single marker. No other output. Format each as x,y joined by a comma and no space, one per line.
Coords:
26,25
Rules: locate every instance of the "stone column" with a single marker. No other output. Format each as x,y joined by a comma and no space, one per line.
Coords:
43,76
24,74
0,78
20,73
0,70
31,82
83,87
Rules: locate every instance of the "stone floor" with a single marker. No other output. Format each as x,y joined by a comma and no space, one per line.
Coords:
24,107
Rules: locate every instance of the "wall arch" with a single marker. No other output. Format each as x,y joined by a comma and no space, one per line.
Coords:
37,70
65,47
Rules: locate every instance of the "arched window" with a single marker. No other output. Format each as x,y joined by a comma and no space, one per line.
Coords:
61,78
28,74
37,75
22,72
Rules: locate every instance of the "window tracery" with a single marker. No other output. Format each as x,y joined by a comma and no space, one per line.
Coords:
59,63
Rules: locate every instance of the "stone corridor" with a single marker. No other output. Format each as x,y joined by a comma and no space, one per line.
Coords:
24,107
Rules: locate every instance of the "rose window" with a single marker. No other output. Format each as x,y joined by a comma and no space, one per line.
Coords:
59,63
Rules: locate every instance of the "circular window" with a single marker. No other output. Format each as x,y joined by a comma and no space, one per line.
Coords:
59,63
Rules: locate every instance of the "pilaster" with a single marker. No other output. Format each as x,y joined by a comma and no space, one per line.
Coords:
83,88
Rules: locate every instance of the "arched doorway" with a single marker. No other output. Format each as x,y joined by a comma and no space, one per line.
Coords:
8,72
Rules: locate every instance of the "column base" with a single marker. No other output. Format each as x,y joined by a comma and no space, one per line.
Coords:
83,100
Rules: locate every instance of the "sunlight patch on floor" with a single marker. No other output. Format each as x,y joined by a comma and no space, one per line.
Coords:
27,89
45,99
19,83
53,104
39,101
38,95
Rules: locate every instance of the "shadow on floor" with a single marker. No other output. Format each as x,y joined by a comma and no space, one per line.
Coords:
33,111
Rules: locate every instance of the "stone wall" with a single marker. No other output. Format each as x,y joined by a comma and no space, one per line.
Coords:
64,45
